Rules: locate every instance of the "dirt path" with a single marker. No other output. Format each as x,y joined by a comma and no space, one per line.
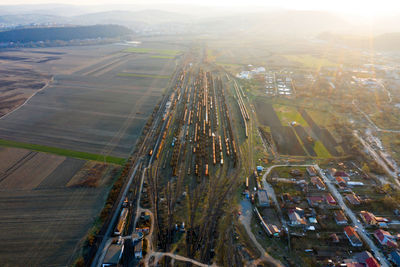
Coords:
155,256
245,219
371,122
29,98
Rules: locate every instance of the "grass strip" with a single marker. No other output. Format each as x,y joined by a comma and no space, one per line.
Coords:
163,57
321,151
143,75
63,152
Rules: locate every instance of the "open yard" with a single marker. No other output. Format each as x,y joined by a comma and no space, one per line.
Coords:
288,115
42,218
302,138
284,136
311,61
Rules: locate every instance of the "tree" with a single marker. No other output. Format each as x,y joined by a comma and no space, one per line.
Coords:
365,168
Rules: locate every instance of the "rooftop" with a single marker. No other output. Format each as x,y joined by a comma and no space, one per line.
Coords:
113,254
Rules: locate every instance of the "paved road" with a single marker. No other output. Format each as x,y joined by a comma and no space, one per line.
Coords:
352,216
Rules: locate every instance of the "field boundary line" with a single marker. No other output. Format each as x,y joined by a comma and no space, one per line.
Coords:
63,152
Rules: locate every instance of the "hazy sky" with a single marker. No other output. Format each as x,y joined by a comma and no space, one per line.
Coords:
359,7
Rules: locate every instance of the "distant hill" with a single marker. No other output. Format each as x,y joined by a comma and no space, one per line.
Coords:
150,16
29,19
63,33
387,41
286,22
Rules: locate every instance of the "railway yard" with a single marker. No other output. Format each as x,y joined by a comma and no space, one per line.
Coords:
213,139
190,165
157,154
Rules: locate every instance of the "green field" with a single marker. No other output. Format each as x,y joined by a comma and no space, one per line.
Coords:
321,151
311,61
288,114
143,75
163,57
152,51
63,152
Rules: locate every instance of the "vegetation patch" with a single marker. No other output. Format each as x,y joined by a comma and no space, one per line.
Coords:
311,61
164,57
288,114
63,152
321,151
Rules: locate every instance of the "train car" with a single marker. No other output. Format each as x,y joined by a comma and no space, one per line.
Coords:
121,222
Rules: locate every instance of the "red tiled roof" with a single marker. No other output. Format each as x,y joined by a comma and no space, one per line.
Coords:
330,199
341,173
350,231
354,264
315,199
339,216
353,199
340,180
368,216
388,241
372,262
317,182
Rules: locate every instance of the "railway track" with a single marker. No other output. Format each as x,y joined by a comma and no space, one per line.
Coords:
140,158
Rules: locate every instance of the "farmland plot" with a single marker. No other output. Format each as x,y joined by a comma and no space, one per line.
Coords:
304,137
322,133
42,220
90,107
284,136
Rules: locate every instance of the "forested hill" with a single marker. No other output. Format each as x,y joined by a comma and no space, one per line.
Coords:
63,33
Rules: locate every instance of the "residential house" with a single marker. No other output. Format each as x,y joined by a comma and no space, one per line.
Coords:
395,257
263,200
296,218
342,174
353,199
313,220
334,238
368,218
340,181
340,218
352,184
382,222
385,238
352,236
366,259
311,171
317,182
273,230
314,201
287,198
330,199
